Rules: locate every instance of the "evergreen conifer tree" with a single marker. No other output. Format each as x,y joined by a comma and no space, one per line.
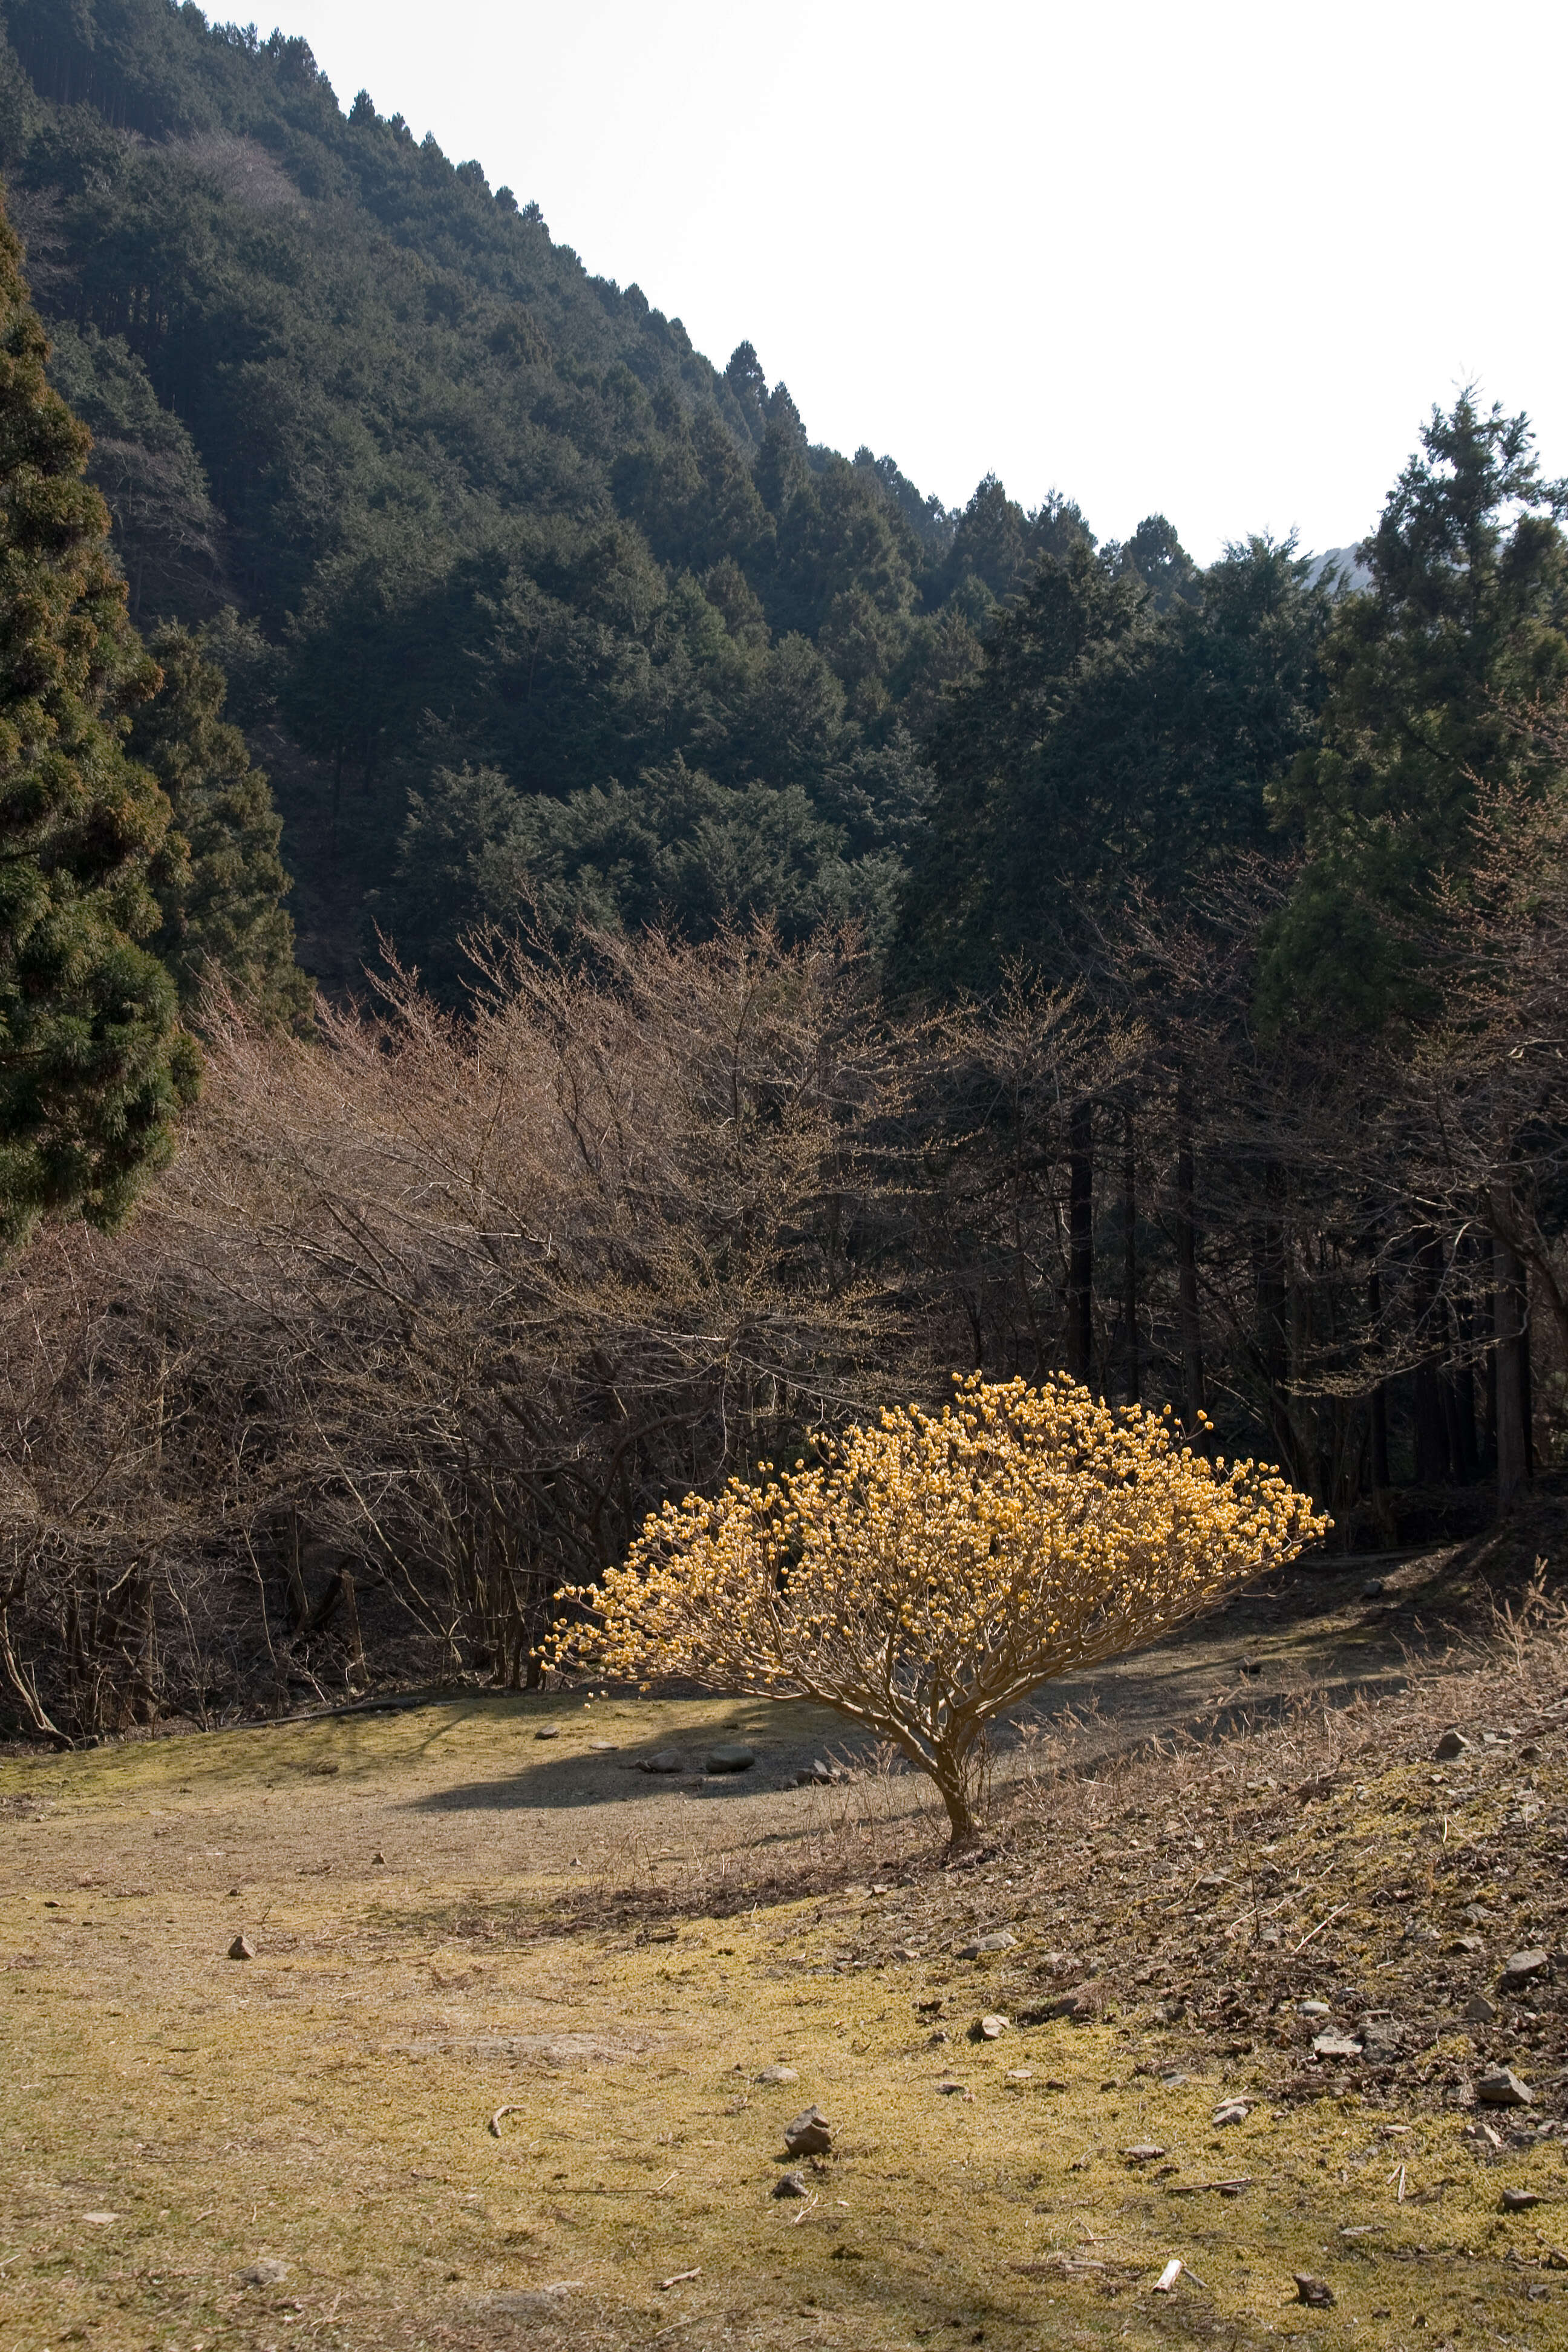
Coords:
93,1064
225,913
1466,622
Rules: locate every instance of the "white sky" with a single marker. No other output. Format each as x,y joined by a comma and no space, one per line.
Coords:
1211,259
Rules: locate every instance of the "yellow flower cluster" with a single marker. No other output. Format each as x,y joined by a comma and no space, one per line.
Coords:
936,1569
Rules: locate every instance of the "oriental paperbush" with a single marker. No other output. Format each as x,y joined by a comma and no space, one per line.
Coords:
937,1569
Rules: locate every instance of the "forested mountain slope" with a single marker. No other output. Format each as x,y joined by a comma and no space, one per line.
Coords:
520,593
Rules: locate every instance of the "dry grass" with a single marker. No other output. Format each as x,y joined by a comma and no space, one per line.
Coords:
328,2103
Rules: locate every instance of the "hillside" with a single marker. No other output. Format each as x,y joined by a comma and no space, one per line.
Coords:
508,580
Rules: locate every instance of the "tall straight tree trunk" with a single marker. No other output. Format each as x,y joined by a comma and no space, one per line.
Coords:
1381,1481
1273,1325
1431,1437
1512,1454
1129,1258
1080,1241
1188,1324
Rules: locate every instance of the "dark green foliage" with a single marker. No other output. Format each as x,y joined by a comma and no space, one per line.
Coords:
677,848
1103,745
1467,619
488,512
92,1064
223,914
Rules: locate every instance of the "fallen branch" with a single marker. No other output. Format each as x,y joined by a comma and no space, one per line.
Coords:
1319,1928
680,2279
1195,2188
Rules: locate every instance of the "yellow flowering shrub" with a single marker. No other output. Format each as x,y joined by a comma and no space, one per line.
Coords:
937,1568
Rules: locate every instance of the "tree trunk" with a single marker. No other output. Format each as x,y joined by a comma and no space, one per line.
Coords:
1512,1457
1081,1242
1273,1327
963,1829
1431,1436
1129,1260
1187,1319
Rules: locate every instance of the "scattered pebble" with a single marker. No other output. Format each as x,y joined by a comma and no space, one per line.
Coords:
548,1731
1315,2290
1232,2111
947,2089
810,2134
1479,2011
1316,2009
730,1757
1002,1941
791,2184
1335,2045
268,2272
100,2220
1452,1744
1502,2088
666,1760
1518,2200
1519,1969
242,1948
992,2027
1144,2151
778,2075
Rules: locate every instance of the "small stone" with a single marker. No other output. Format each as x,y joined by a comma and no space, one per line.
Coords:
100,2220
268,2272
1231,2111
1519,2201
666,1760
810,2134
242,1948
323,1771
1479,2011
1315,2290
1373,1589
1020,2073
375,1857
778,2075
1144,2151
951,2090
602,1746
1316,2009
934,2041
548,1731
1002,1941
1452,1744
791,2184
819,1774
1252,1665
1335,2045
1470,1944
991,2027
1523,1966
730,1757
1503,2089
905,1952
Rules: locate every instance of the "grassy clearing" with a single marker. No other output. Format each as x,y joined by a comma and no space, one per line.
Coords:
616,1960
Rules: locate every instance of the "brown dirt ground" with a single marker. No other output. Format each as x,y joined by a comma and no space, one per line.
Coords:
452,1917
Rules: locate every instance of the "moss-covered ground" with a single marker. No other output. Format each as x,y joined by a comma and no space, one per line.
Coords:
451,1918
